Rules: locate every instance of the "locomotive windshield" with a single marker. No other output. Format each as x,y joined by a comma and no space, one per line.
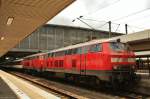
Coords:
118,46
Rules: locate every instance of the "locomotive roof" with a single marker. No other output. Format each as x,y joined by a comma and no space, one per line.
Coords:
18,60
38,54
74,46
83,44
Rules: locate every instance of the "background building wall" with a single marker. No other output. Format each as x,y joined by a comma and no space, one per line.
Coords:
53,36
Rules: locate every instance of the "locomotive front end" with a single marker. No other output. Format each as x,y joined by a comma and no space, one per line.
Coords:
123,64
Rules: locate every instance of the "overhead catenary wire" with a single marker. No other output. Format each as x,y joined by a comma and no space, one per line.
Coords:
117,27
137,27
103,25
83,20
86,23
135,13
100,8
93,20
131,28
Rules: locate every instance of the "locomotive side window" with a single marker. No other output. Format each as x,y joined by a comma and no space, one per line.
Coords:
74,51
85,49
56,54
35,57
49,54
96,48
53,54
118,46
41,57
45,56
79,50
61,53
66,51
69,52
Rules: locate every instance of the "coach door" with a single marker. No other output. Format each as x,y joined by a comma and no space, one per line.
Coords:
83,61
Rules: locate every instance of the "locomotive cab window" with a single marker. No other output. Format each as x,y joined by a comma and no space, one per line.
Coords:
118,46
96,48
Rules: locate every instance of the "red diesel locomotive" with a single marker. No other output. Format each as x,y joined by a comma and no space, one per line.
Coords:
104,60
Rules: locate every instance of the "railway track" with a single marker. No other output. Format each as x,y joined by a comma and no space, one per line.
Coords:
70,92
74,92
135,93
131,95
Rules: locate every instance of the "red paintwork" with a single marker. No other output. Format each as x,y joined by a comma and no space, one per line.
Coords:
90,61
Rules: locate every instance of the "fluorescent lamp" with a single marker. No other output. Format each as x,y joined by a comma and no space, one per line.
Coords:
7,58
2,38
10,20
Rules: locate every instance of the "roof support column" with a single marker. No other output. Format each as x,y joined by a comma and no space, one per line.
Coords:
126,28
109,28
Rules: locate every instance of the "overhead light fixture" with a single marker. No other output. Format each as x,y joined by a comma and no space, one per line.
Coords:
10,21
2,38
7,58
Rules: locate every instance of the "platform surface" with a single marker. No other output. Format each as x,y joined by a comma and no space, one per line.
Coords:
5,91
24,89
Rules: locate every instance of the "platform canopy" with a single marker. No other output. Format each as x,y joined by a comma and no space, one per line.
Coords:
19,18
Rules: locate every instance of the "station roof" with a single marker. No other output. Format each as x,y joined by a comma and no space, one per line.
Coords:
19,18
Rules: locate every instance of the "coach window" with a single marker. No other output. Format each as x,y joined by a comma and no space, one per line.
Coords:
56,54
46,56
95,48
53,54
34,57
49,54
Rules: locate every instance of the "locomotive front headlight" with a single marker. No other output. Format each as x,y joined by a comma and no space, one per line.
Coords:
133,67
115,67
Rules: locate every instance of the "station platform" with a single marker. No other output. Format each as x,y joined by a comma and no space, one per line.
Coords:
144,74
145,82
12,87
5,91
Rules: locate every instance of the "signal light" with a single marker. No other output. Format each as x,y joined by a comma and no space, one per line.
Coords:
2,38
